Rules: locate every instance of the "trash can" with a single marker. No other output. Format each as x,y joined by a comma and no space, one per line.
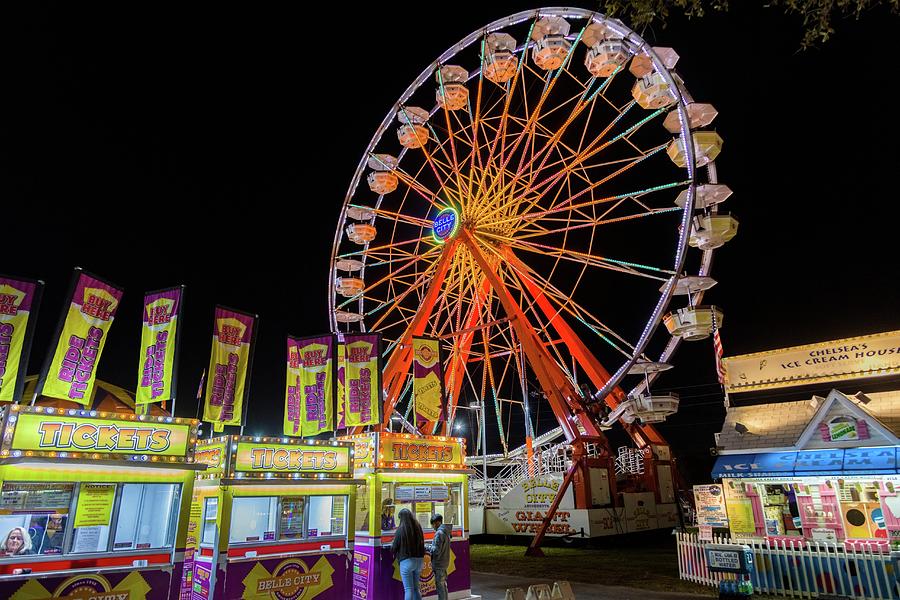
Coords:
736,559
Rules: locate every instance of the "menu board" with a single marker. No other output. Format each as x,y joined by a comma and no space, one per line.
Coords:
710,503
24,497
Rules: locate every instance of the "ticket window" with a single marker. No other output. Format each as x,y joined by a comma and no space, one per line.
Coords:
210,514
423,500
256,519
86,518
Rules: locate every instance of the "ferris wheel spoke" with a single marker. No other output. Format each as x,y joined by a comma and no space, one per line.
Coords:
402,217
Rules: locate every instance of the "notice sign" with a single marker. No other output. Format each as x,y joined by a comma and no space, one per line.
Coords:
723,559
710,503
95,503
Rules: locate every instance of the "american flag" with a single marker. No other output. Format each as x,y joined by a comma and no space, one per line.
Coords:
717,348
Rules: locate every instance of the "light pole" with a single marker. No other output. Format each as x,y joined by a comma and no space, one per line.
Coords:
478,407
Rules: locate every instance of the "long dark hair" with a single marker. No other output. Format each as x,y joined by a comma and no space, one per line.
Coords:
410,533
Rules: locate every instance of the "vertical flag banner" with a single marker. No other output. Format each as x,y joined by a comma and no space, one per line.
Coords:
362,373
19,302
159,337
229,367
82,333
341,385
311,386
428,381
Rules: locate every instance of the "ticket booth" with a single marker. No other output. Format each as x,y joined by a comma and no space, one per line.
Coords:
271,518
93,504
425,474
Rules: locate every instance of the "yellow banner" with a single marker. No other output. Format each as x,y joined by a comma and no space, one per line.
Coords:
363,380
156,371
428,381
18,310
95,504
228,368
83,334
341,386
310,389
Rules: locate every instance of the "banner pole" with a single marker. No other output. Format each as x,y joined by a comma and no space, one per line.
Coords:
249,376
178,329
51,349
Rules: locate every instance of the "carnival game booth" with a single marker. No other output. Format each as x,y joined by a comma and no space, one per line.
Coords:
93,503
271,518
425,474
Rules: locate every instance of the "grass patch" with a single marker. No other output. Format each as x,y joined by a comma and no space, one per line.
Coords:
652,566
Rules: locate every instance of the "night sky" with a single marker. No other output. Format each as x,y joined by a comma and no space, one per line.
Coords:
212,146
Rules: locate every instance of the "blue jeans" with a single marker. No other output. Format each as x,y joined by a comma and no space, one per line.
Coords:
440,581
410,568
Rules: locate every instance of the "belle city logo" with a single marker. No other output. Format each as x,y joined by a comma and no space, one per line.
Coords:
87,436
445,225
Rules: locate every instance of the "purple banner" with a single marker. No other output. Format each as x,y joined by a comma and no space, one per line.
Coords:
134,584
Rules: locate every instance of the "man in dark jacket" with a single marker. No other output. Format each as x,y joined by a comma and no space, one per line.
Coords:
439,549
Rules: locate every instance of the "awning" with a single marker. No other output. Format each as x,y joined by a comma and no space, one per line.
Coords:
847,461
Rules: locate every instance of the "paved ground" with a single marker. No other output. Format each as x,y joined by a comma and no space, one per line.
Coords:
493,587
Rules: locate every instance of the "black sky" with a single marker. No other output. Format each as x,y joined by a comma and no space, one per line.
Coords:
212,145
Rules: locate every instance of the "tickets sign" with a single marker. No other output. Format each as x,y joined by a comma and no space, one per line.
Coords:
34,431
19,299
406,450
71,371
292,458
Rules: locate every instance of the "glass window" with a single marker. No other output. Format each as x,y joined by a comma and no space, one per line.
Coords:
210,512
145,516
33,517
326,516
253,519
291,525
423,499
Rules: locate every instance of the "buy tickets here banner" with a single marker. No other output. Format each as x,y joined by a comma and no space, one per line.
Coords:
363,379
72,370
428,381
157,362
310,389
228,367
16,299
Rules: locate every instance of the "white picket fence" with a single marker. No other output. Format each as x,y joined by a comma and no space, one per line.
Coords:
801,569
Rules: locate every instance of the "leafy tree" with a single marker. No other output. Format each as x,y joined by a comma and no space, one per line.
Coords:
818,15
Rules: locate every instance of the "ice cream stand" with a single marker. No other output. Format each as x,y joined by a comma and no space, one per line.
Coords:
271,518
425,474
93,503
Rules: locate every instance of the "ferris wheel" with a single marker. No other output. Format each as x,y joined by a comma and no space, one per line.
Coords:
530,201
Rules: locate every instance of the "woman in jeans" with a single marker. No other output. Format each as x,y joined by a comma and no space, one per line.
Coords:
409,549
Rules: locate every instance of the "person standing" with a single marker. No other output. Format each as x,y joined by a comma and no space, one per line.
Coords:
409,550
439,549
